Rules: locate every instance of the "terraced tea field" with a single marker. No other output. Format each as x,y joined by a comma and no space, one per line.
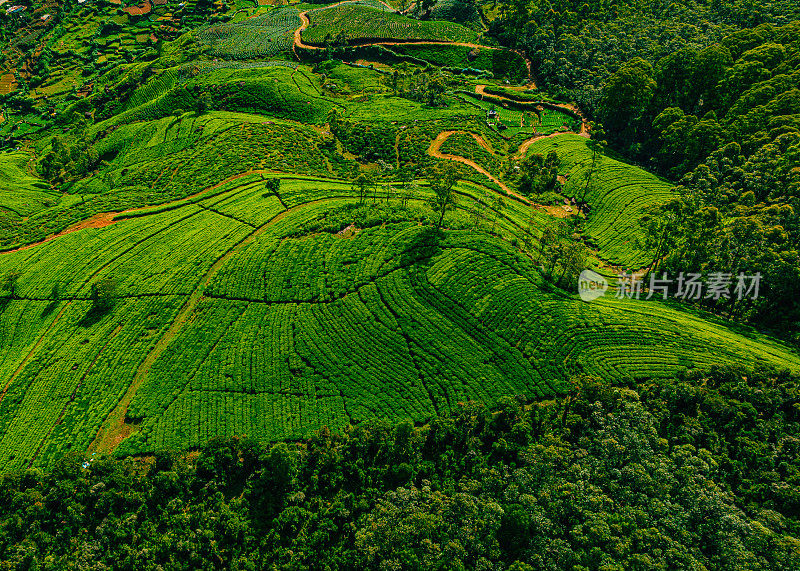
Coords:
361,23
221,220
618,193
262,36
244,312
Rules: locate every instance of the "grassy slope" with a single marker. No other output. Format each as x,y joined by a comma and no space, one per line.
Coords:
22,194
297,328
618,193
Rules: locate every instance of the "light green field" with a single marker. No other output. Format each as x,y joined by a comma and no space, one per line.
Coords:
252,315
618,193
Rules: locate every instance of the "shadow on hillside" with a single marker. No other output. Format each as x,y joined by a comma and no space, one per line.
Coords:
50,307
95,314
422,247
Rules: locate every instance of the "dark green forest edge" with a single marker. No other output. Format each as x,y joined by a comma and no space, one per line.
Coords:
707,94
292,285
697,472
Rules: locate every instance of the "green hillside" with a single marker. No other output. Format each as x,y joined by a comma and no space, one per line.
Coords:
309,285
619,195
187,299
253,312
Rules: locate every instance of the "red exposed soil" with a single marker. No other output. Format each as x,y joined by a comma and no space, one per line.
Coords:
97,221
139,10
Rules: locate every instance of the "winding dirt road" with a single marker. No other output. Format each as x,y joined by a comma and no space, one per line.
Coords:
436,145
435,151
305,22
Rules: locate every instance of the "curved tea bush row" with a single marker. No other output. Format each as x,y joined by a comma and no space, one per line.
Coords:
153,89
162,254
395,322
618,193
155,162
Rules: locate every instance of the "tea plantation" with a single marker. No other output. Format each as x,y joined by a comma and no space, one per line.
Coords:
226,219
361,23
242,311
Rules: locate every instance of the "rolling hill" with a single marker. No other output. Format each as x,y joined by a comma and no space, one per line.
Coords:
212,238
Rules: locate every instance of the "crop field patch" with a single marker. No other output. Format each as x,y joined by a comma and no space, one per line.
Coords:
364,23
63,392
296,333
500,62
521,122
267,35
8,83
294,326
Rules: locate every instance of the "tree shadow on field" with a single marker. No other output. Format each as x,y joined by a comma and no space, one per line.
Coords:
102,297
50,307
55,299
96,313
422,247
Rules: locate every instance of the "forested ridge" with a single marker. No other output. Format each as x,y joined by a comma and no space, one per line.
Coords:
708,95
698,471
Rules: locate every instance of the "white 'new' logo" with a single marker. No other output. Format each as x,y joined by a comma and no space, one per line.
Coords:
591,285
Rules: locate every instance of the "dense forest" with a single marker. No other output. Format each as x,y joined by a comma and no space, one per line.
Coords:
699,471
708,95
